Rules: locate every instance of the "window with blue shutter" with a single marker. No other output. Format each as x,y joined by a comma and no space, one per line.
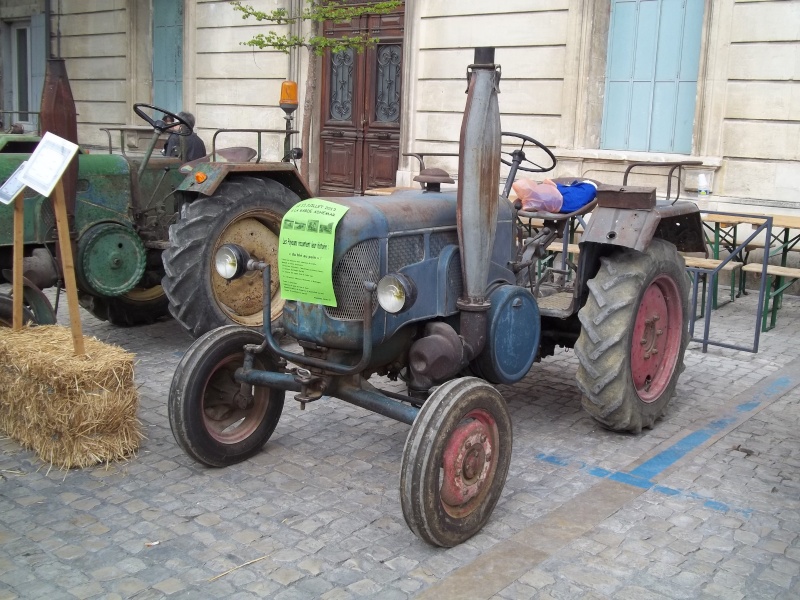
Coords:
651,75
23,50
168,54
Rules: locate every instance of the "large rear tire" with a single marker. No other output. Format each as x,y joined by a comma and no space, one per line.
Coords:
216,420
245,211
634,333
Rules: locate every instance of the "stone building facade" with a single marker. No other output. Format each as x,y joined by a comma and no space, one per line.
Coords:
574,73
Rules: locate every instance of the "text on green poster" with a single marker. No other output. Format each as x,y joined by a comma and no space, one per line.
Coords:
305,251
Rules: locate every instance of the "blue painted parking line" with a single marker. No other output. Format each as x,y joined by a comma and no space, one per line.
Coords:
642,483
643,476
661,461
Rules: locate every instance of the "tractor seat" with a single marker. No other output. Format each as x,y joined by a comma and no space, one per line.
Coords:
548,216
237,154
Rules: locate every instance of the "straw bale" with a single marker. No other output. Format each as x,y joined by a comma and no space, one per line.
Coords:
73,411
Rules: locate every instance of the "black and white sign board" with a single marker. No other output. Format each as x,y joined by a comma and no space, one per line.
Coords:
48,163
12,185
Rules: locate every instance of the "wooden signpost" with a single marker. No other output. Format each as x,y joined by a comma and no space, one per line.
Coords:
73,408
19,238
10,191
43,172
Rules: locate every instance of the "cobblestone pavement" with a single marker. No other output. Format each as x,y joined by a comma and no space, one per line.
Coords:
705,505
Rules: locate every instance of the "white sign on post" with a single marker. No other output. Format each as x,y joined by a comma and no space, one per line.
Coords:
12,186
48,163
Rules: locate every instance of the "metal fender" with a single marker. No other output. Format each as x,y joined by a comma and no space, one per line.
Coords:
677,223
513,332
205,178
34,298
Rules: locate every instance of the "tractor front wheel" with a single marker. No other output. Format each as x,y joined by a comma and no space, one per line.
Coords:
246,211
216,420
455,461
634,333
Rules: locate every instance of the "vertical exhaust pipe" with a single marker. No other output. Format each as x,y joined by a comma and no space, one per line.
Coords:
442,352
478,194
59,116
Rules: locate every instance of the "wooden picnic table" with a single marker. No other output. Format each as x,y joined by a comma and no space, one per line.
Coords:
781,238
782,233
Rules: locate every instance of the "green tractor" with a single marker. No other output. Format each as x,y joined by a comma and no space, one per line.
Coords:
127,211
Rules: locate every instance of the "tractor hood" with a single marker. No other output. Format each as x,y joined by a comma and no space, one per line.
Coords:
379,216
411,232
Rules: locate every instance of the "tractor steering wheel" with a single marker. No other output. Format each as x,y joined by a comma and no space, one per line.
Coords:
159,125
518,156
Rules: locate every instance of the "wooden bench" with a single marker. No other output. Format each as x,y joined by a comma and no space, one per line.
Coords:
559,247
774,250
708,265
778,277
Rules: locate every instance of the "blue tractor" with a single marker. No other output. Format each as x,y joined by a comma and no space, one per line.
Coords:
439,289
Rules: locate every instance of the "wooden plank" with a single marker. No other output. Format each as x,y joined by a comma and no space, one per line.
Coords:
68,267
16,278
559,246
387,191
710,263
759,245
785,221
774,270
729,220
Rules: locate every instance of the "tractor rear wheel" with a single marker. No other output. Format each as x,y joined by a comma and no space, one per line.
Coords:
216,420
246,211
140,306
455,461
634,333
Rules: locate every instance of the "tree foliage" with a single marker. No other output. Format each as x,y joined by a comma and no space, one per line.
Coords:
316,12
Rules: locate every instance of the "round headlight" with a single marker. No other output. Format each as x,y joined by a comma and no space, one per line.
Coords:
230,261
396,293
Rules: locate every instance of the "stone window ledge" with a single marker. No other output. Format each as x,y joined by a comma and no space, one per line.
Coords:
629,156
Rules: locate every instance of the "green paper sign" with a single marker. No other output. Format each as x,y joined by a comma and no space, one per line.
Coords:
305,252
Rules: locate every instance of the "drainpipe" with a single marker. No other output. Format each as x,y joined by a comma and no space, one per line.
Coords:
47,26
295,29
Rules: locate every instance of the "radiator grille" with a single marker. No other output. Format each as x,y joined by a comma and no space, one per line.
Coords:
405,250
440,239
359,264
455,279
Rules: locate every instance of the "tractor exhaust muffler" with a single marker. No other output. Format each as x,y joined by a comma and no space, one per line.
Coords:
478,194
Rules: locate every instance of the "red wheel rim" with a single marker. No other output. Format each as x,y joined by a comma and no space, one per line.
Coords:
228,416
469,463
657,335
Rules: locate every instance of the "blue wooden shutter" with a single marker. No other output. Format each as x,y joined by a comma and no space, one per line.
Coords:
651,75
168,54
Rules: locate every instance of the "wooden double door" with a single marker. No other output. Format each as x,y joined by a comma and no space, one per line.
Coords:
361,108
